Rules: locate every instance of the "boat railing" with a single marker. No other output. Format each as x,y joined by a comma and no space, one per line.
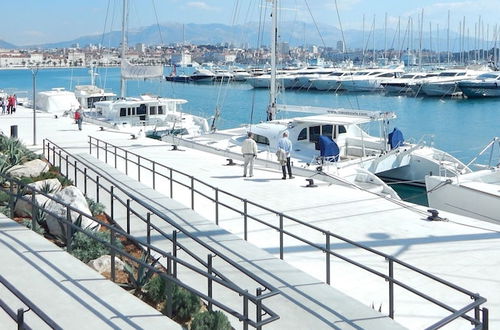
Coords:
198,189
18,315
94,183
491,147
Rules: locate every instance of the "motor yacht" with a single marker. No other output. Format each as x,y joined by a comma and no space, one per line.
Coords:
240,74
485,85
401,85
202,75
223,75
445,83
332,81
372,81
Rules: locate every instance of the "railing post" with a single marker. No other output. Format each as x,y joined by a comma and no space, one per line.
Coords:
43,148
209,271
327,248
97,189
67,166
34,212
54,155
69,229
192,193
11,198
90,145
59,159
154,176
259,307
245,219
115,158
485,321
106,152
128,216
174,251
126,162
281,236
20,319
391,289
171,184
170,287
148,231
98,147
85,181
245,312
217,206
138,168
477,314
113,253
112,203
76,174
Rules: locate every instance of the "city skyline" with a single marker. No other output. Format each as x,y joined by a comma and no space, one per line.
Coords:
60,20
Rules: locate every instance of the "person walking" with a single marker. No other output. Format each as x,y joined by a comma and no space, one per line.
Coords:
284,150
78,119
10,104
249,150
14,103
2,104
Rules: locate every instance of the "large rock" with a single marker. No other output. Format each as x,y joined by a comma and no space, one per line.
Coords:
53,184
74,197
103,264
32,169
23,207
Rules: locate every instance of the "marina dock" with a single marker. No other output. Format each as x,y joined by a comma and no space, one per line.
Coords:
460,250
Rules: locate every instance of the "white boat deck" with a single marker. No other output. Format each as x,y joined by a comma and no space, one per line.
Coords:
463,251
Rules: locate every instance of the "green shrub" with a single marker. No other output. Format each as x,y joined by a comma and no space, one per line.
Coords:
86,248
4,197
210,321
94,207
64,181
185,304
156,289
138,280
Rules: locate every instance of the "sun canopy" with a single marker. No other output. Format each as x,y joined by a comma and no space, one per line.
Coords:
339,115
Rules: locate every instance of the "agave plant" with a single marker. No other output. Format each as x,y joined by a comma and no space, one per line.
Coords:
138,280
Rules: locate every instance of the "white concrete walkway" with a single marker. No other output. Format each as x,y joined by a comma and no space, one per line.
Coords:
463,251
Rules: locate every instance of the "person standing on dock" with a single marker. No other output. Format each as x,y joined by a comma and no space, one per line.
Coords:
78,119
284,149
249,150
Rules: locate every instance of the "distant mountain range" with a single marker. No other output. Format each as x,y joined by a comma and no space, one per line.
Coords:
295,34
6,45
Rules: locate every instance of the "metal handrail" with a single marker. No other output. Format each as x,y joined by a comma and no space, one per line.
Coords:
18,316
113,149
217,277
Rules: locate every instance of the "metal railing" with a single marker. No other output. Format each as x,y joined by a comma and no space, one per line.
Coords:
73,168
18,315
195,185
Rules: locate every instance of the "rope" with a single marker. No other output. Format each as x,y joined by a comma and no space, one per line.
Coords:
157,22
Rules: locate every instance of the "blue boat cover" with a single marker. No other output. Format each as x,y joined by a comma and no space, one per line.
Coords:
329,150
396,138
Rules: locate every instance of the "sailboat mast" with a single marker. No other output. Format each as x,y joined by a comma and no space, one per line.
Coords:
123,85
271,112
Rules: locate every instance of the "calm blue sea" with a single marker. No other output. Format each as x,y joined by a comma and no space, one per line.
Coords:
460,126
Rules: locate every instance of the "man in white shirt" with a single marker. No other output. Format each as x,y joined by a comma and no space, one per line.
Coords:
249,150
286,145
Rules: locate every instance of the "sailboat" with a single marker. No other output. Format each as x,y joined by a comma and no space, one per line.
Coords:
333,141
148,115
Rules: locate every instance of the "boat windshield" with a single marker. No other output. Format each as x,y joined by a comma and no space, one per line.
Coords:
489,75
448,74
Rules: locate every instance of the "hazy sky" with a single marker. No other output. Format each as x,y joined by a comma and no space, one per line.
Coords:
27,22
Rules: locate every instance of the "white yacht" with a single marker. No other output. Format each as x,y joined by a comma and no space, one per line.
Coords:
56,101
202,75
145,115
485,85
154,116
240,74
87,95
301,79
401,85
445,83
332,81
370,82
389,156
476,194
223,75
